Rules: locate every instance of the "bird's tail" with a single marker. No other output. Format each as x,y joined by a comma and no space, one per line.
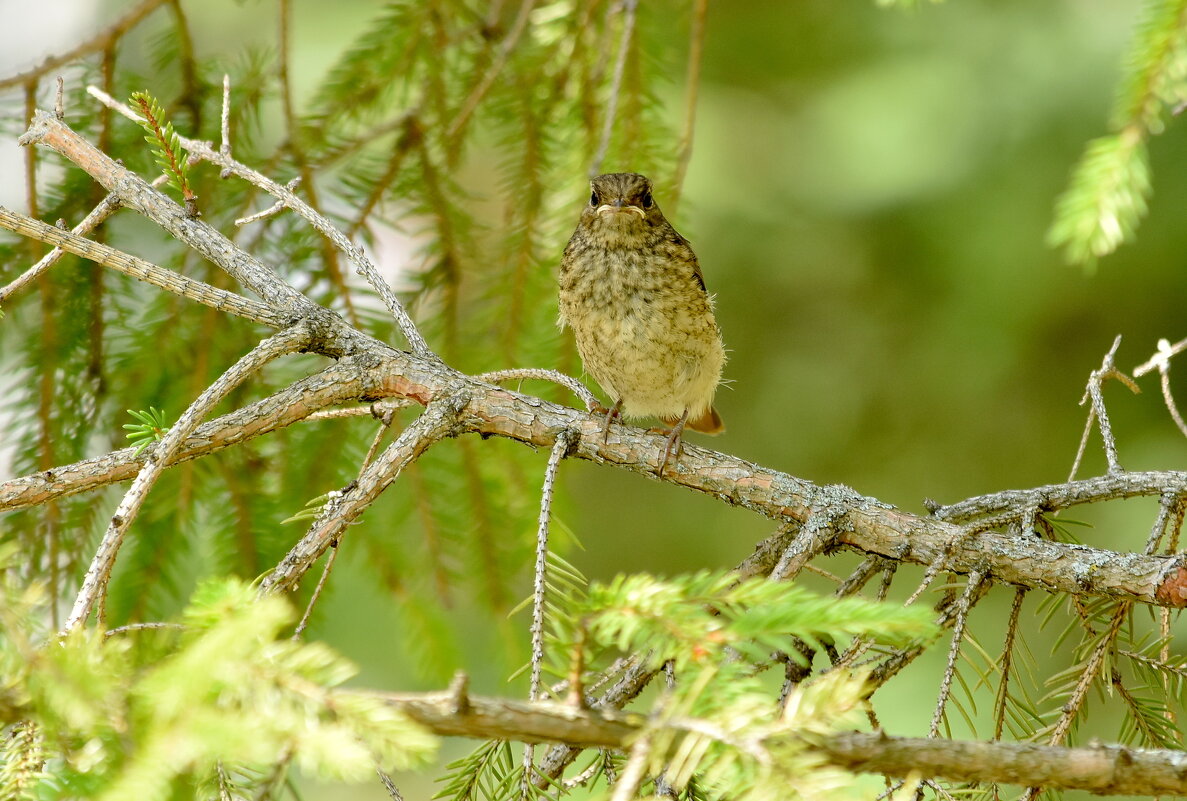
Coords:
708,423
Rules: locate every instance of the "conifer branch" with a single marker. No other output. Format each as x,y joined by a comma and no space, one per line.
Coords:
95,582
71,242
1099,769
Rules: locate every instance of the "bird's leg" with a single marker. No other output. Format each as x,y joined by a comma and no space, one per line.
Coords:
611,413
674,443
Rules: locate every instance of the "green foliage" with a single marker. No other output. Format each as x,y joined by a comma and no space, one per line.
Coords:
141,715
1110,186
696,619
152,426
1106,199
167,147
714,731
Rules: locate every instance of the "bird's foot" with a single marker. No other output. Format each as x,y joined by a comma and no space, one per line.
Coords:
610,413
675,442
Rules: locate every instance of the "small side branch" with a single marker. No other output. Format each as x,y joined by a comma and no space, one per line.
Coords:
438,421
95,581
130,265
1108,369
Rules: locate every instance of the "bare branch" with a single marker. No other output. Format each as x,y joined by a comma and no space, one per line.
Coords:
555,376
1097,769
1107,370
95,581
66,242
363,265
340,382
135,192
438,421
1010,506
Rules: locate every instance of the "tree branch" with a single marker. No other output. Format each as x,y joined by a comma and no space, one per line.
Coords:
1105,770
95,581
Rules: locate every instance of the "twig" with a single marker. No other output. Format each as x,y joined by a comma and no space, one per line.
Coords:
628,28
67,242
106,207
135,193
813,538
438,421
1168,505
224,147
564,442
321,583
141,627
319,222
95,581
392,791
1162,360
1012,504
1162,355
272,210
1007,661
568,382
1106,371
962,612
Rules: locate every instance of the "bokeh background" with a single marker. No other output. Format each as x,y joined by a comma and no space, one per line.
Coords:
869,195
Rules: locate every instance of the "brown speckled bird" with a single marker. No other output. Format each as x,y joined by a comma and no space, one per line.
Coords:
632,291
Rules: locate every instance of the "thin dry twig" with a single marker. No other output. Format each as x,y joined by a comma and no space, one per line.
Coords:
436,422
272,210
1007,661
1162,361
555,376
560,449
1096,379
814,537
963,606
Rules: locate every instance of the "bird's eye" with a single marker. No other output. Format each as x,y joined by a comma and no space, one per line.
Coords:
647,201
593,199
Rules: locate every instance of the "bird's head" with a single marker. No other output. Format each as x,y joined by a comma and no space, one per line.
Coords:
621,206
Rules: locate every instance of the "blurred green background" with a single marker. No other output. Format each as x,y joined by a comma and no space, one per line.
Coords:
868,197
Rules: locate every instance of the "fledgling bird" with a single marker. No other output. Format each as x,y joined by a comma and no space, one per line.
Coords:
632,291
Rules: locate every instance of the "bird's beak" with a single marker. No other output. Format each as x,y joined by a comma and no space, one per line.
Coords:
618,207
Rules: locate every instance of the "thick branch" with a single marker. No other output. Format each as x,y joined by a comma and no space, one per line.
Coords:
339,383
1104,770
861,523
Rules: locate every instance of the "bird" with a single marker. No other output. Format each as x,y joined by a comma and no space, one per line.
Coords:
632,292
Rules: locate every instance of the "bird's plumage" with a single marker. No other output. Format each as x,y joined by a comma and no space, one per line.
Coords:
633,294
